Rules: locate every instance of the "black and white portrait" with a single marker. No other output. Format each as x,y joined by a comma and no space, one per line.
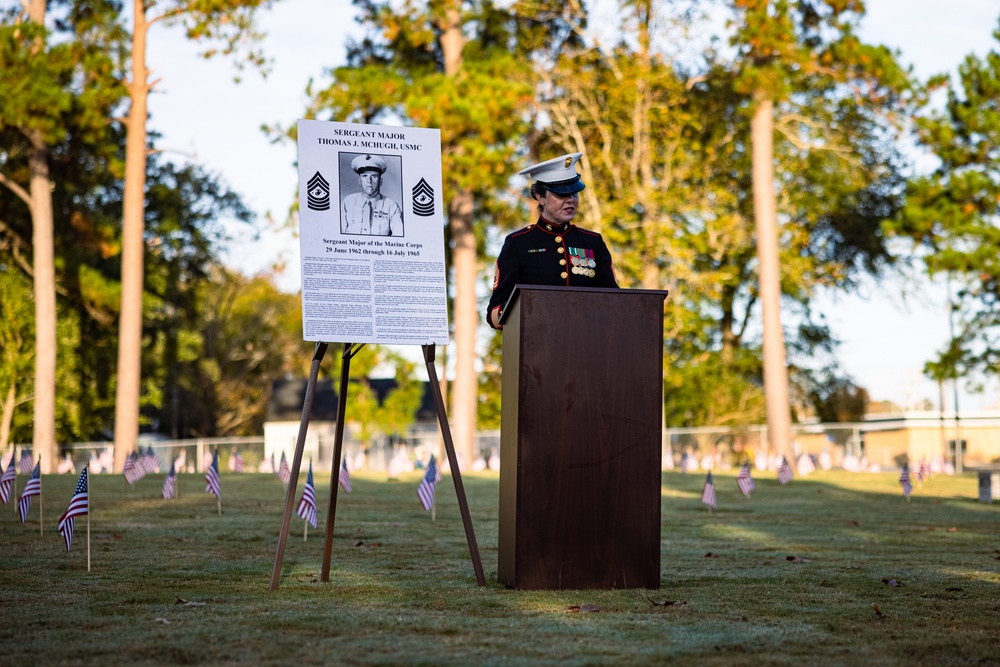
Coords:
371,188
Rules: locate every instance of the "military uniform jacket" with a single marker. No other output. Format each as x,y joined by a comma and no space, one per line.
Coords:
379,216
548,254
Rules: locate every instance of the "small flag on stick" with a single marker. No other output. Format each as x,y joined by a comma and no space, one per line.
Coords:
212,484
7,481
785,474
150,464
238,464
78,504
133,470
24,465
744,480
307,504
284,470
708,493
32,488
426,489
904,481
170,483
345,477
923,470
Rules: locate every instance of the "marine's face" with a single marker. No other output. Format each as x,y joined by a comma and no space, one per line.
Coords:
559,209
371,182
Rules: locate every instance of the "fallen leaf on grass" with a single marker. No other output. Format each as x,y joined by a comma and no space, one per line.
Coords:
878,612
583,608
185,539
855,523
161,620
953,530
953,589
798,559
892,582
711,555
190,603
667,603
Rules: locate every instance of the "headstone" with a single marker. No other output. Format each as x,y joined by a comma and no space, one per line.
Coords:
989,485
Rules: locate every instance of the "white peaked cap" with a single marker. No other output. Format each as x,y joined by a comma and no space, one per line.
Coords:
558,174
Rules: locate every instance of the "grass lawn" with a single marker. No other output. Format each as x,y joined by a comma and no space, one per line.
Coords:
172,582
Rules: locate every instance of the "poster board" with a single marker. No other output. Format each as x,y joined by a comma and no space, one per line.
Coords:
371,223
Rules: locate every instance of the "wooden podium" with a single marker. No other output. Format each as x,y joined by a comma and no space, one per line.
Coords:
580,438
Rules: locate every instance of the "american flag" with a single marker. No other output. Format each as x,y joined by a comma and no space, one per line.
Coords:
426,489
132,470
785,474
212,484
239,465
744,480
708,493
345,476
307,505
32,488
923,470
7,481
24,465
170,484
150,464
284,470
904,481
78,504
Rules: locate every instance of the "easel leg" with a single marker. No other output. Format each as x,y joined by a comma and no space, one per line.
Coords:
293,480
456,475
338,447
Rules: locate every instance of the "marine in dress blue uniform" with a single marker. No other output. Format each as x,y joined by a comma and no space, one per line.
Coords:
369,211
553,251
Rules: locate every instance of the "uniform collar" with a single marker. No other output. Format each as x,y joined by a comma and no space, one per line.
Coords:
552,227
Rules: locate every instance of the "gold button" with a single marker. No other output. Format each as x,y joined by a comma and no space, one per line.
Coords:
562,262
558,239
560,250
562,275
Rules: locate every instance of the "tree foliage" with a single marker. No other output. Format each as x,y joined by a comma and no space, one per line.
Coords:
951,214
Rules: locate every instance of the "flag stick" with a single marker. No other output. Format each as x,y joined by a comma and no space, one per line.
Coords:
89,505
13,486
305,532
220,506
41,530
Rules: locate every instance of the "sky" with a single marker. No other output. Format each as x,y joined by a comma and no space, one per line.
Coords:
888,331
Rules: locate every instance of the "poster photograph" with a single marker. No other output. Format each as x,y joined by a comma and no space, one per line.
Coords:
371,230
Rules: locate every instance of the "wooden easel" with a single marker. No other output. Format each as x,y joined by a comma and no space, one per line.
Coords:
351,349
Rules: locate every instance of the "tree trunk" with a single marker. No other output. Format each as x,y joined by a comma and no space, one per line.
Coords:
464,392
642,158
133,229
775,368
7,417
43,265
465,387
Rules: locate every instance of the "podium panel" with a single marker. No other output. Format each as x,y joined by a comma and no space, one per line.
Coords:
582,395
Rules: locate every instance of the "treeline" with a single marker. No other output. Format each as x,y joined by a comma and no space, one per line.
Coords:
664,111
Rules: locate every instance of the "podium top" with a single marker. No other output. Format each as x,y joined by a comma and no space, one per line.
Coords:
563,288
